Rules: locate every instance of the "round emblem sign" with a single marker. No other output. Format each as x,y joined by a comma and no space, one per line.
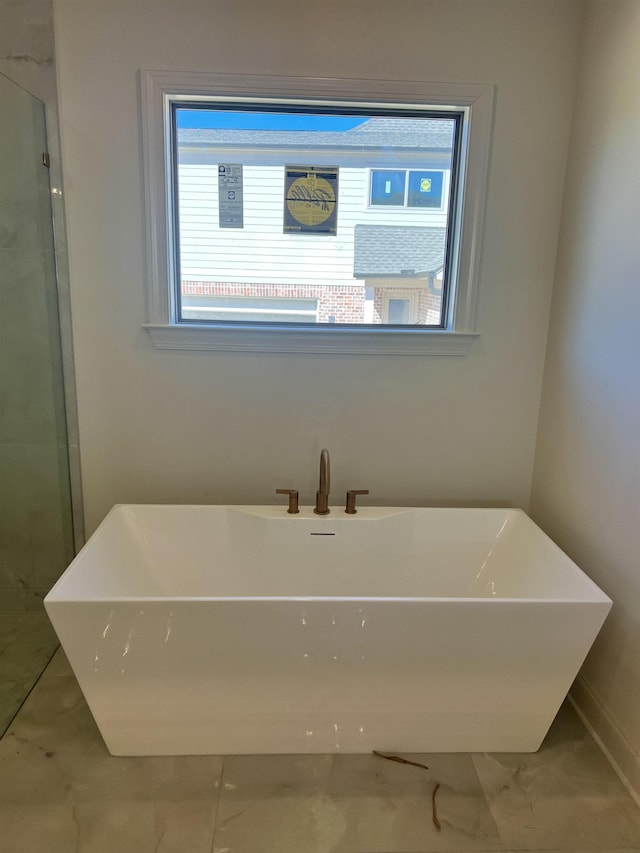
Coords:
311,200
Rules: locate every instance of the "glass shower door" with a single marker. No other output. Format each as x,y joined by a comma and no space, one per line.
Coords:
36,540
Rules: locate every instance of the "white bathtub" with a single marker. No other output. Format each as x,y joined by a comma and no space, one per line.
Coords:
213,629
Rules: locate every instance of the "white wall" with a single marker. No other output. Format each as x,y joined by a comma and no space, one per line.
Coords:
206,427
587,475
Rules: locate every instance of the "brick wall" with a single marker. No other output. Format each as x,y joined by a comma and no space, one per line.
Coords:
428,307
339,303
342,302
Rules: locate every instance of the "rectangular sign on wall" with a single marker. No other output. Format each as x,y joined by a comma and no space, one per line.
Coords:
230,203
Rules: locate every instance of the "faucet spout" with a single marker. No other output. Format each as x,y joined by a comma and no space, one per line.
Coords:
322,495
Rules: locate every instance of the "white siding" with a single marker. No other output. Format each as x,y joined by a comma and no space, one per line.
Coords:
260,251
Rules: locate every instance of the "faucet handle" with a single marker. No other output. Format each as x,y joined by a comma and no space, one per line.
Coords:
293,499
350,509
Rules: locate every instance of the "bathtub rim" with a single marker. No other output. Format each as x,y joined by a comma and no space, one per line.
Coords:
593,594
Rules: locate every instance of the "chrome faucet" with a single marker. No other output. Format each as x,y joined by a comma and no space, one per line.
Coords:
322,495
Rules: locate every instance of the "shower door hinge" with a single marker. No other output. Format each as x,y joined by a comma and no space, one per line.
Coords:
45,159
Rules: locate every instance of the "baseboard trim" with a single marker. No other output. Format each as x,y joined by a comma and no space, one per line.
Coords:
607,734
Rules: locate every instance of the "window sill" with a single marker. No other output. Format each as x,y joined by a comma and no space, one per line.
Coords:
331,341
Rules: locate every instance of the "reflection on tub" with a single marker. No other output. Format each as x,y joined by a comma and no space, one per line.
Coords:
221,629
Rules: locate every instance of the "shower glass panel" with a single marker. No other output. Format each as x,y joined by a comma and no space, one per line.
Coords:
36,540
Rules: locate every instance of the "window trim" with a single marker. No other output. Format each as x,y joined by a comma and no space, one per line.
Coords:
159,88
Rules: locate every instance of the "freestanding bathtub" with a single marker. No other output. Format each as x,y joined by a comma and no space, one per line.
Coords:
223,629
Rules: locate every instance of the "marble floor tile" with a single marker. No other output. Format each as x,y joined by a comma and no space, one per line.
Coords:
59,666
344,804
121,827
563,797
27,642
12,694
61,790
23,634
54,747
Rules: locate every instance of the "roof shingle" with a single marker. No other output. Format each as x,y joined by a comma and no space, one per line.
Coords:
397,250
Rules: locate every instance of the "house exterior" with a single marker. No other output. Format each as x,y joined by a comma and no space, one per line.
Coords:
382,262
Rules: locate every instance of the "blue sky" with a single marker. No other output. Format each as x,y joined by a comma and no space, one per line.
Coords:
232,119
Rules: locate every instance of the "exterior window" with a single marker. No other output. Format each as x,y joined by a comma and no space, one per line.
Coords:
270,203
398,310
388,188
407,189
305,212
425,189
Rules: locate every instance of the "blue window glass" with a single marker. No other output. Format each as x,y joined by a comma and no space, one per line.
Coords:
425,189
387,187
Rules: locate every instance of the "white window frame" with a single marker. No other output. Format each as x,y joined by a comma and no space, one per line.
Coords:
160,88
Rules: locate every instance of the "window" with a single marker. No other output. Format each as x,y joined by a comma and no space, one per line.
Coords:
407,189
399,307
389,188
250,222
399,310
285,214
424,189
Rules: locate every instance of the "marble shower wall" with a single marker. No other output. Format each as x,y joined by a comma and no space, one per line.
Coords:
38,432
26,46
